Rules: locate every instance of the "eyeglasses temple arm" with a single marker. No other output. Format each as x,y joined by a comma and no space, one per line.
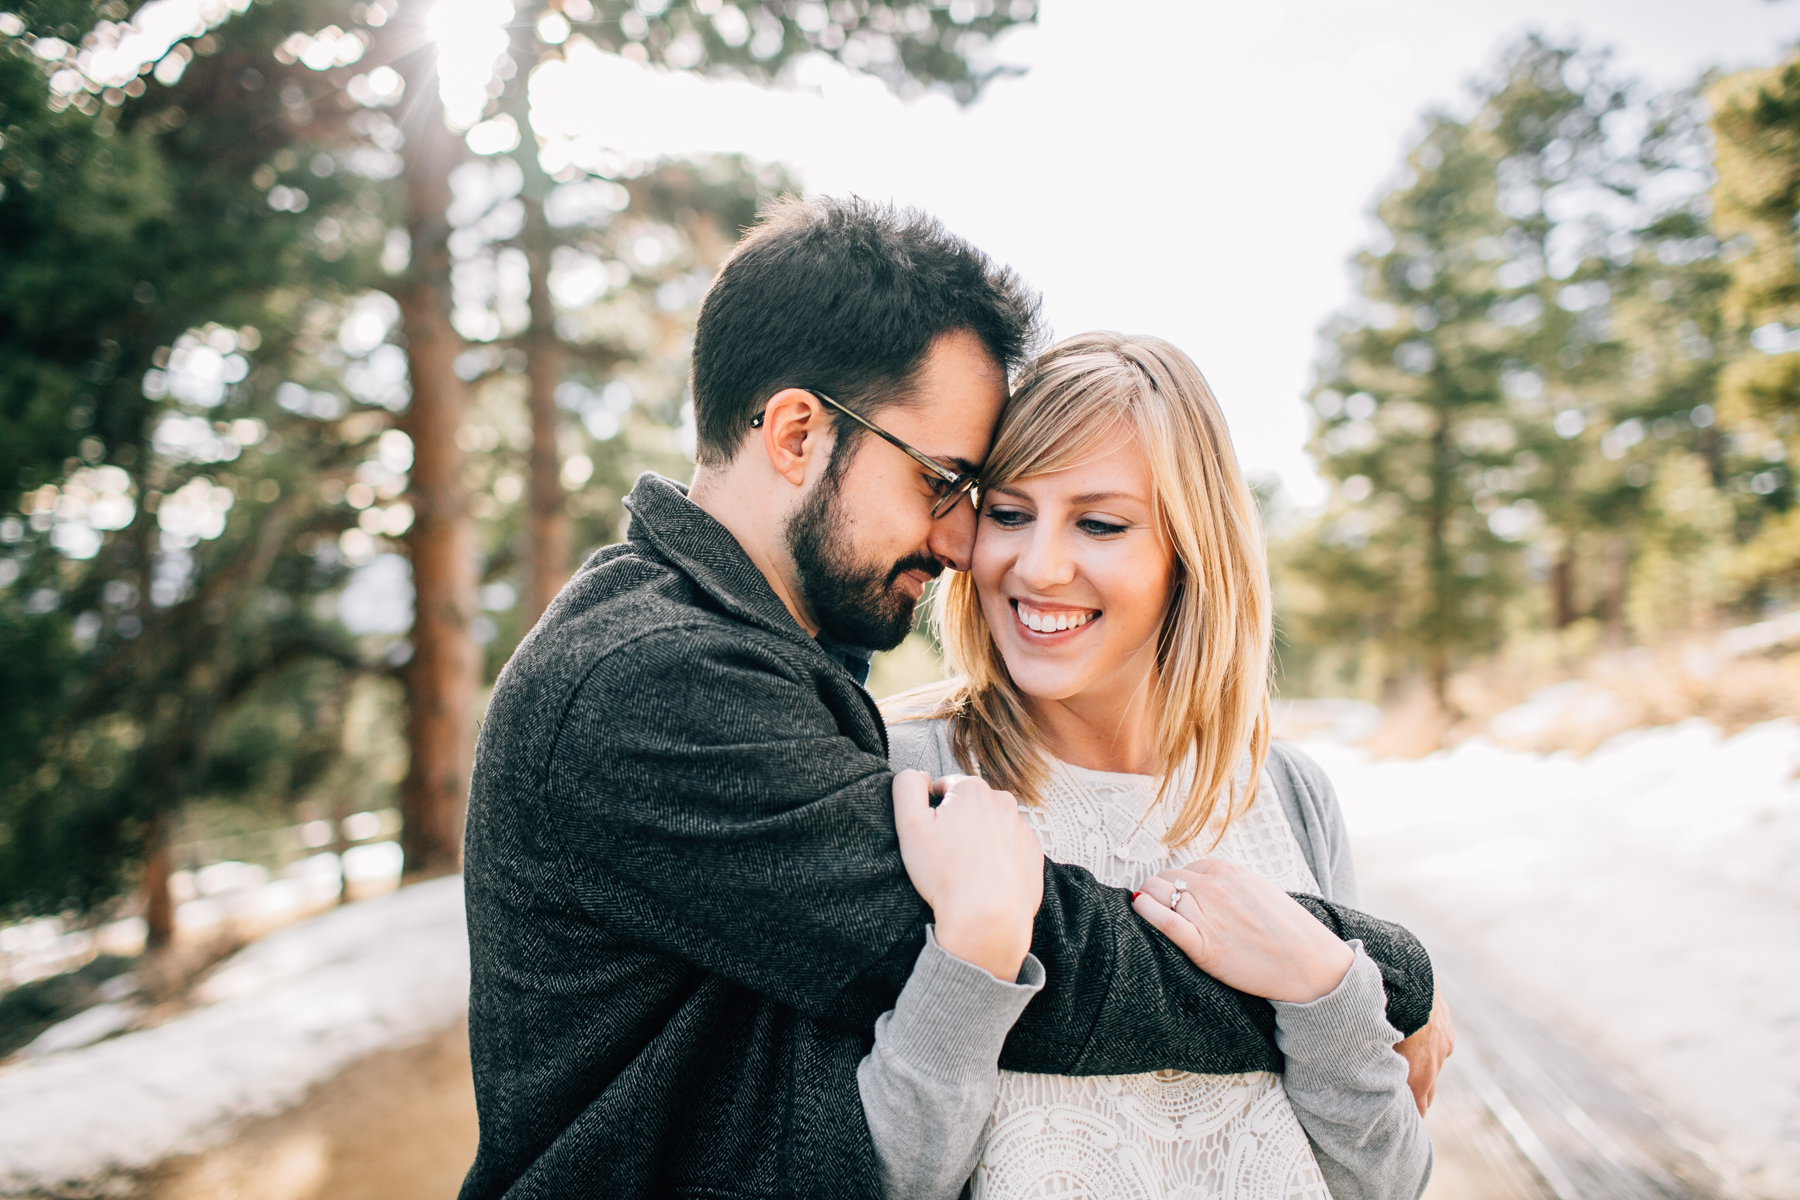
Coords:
938,469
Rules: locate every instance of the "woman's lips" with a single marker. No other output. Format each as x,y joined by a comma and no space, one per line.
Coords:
1051,621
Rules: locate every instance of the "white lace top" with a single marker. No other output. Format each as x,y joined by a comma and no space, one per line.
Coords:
1167,1135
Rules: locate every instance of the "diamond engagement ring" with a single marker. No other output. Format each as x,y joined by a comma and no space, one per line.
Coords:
1180,886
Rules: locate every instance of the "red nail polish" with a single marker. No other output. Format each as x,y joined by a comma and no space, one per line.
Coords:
1135,895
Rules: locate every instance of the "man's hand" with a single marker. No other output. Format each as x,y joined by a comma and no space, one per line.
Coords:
977,865
1425,1052
1244,931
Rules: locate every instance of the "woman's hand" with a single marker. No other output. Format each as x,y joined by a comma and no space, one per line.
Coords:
977,865
1244,931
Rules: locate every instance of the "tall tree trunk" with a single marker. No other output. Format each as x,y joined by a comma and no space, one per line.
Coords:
1618,578
1562,586
444,674
547,536
159,906
1437,674
340,841
332,715
1437,556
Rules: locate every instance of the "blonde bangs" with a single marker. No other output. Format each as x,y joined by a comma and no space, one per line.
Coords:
1211,693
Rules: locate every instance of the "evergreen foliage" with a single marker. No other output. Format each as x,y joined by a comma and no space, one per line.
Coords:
205,382
1756,123
1520,417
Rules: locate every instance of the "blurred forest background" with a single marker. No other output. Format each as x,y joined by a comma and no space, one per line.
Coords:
1558,420
318,378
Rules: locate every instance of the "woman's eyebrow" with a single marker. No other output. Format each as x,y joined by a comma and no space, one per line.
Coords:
1083,498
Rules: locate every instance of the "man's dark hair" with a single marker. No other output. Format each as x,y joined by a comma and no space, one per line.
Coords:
844,296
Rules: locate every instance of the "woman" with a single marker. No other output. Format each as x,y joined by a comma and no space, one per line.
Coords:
1111,640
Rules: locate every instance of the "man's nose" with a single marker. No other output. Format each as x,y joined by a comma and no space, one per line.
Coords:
952,537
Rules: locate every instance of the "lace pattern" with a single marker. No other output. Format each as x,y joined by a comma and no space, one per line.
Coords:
1167,1135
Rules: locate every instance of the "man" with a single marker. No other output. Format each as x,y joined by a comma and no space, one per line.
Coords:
686,900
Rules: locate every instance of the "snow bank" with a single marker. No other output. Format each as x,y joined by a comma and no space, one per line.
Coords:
1646,899
277,1018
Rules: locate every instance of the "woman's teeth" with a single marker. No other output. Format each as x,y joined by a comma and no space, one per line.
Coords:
1053,622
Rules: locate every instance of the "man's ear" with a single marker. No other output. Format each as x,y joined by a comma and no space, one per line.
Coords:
796,430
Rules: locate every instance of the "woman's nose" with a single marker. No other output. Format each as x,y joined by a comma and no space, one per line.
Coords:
1044,562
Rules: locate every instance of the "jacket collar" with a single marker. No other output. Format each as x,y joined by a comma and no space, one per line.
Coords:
686,535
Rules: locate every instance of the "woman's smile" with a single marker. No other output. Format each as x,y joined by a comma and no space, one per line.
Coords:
1048,621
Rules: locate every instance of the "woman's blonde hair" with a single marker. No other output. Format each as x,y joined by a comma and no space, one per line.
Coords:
1211,690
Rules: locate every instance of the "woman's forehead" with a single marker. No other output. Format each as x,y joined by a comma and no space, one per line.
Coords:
1114,469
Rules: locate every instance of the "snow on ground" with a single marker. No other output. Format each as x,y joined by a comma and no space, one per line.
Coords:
286,1013
1644,899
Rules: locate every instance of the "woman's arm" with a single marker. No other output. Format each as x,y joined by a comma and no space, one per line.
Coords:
1349,1089
929,1083
1317,818
1347,1085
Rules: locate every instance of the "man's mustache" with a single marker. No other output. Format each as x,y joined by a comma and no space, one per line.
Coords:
927,563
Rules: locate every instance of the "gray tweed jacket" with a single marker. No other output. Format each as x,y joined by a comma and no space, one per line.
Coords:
687,907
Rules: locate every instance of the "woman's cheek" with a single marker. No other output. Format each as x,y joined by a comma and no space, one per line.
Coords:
988,568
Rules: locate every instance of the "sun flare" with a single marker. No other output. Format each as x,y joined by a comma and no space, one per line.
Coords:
471,39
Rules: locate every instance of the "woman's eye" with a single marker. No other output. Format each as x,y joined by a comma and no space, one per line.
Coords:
1098,528
1008,518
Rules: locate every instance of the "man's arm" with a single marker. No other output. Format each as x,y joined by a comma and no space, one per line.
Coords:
710,808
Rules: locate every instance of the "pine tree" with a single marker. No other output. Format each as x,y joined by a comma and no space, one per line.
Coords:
1410,415
150,534
1665,434
1756,125
1494,410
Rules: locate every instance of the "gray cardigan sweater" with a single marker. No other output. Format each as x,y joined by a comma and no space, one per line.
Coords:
929,1083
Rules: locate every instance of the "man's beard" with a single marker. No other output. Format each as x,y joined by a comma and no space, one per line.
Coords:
856,604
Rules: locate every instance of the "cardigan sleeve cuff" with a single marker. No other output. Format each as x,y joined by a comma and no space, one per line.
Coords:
1351,1015
952,1016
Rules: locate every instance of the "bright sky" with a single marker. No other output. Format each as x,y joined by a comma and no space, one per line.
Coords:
1196,169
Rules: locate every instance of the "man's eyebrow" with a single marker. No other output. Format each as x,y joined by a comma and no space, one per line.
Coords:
961,466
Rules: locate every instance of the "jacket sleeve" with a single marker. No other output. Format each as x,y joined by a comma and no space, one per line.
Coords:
709,807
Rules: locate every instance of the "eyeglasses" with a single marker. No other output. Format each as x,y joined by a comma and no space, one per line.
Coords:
956,484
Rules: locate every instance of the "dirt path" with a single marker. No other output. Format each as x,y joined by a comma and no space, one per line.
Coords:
399,1125
1524,1113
